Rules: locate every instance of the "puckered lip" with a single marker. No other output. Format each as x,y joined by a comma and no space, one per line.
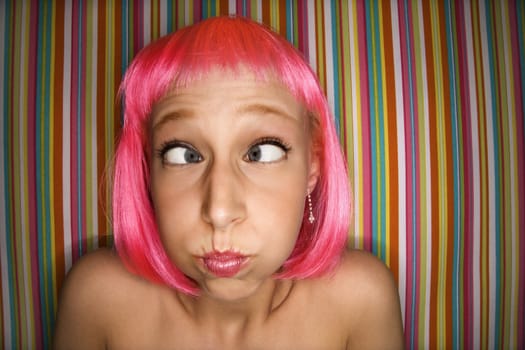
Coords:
224,264
226,255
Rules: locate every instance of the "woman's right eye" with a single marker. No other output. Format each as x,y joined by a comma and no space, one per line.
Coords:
180,155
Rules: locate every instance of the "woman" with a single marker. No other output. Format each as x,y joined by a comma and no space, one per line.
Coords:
230,210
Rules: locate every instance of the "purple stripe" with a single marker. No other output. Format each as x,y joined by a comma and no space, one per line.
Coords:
31,172
365,111
82,133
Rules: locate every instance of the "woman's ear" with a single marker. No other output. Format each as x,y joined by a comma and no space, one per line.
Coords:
313,173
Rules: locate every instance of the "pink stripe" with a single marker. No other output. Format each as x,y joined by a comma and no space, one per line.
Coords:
302,21
138,26
31,172
520,121
74,131
197,10
409,330
82,131
365,109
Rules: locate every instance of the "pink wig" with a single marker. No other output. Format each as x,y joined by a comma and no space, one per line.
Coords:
186,56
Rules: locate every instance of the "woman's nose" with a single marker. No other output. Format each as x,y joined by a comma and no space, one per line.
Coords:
224,203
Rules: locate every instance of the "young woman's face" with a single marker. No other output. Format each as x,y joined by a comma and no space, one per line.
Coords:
230,170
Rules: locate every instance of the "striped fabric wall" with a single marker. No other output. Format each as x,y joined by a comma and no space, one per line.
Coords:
429,101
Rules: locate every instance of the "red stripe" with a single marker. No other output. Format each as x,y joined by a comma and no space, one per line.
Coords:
57,149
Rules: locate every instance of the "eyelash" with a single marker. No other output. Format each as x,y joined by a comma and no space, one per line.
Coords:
167,145
272,141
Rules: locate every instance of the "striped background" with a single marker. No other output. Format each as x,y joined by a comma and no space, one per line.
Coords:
429,102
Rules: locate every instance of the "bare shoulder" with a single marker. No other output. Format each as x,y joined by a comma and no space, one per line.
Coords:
366,293
91,293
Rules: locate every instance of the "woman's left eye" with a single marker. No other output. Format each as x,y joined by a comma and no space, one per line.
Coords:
266,152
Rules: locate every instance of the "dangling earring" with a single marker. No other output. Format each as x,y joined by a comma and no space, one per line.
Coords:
311,217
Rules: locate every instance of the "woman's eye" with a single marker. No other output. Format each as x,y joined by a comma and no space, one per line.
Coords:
180,155
265,153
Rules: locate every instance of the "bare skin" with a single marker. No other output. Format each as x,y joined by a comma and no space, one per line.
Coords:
103,306
230,167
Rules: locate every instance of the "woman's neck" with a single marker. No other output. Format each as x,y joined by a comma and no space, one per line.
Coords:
231,316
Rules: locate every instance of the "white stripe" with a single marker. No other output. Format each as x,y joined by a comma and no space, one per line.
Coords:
514,253
329,57
356,208
312,42
490,174
187,12
66,140
232,8
6,300
259,11
400,113
94,184
146,21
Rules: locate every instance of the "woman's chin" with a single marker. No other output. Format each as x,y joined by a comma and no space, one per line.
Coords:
229,289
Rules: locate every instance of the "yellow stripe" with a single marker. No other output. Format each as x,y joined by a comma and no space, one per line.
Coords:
441,143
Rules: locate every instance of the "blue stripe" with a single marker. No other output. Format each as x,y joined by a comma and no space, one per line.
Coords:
49,301
213,8
125,50
289,21
458,199
35,178
204,7
335,62
373,150
169,17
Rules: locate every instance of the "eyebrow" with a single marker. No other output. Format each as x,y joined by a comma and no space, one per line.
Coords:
171,116
259,108
255,108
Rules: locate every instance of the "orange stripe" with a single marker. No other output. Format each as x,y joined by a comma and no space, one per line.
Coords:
223,8
282,17
321,48
266,13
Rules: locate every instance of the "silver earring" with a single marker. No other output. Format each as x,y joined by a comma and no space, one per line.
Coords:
311,217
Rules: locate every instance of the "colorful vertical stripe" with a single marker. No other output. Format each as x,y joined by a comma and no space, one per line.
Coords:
428,99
